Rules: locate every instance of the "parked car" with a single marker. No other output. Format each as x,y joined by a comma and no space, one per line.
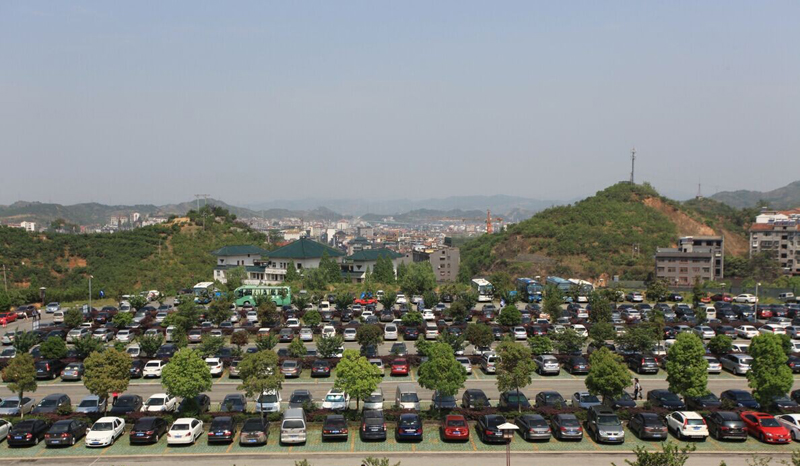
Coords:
547,364
514,400
13,406
300,398
72,371
291,368
474,398
643,364
27,432
737,363
49,369
223,429
577,365
533,427
703,402
440,401
648,426
336,400
662,398
160,403
148,430
687,425
233,403
126,404
91,404
765,427
373,425
566,427
604,425
334,427
153,368
185,430
105,431
726,425
202,403
409,427
549,399
792,423
51,404
65,432
584,400
740,399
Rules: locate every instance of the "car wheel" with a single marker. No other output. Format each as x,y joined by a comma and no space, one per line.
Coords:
73,441
761,438
794,436
157,437
36,441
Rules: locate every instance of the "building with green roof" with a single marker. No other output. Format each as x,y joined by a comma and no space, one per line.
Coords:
359,263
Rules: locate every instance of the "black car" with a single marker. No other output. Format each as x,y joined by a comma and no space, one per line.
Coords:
474,398
300,398
577,365
202,404
726,425
137,365
411,333
399,349
549,399
643,364
334,428
49,368
166,351
794,363
726,330
566,427
488,430
703,402
533,427
443,401
648,426
665,399
513,399
148,430
233,403
255,431
677,297
498,333
51,404
320,368
65,432
27,432
126,404
623,401
373,425
223,429
740,398
779,403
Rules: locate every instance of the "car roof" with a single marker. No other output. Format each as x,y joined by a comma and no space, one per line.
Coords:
110,419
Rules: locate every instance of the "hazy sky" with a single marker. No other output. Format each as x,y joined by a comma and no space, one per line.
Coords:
152,102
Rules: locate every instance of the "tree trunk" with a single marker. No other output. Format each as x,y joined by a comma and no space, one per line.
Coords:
21,412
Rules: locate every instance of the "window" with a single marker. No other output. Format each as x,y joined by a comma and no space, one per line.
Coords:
684,270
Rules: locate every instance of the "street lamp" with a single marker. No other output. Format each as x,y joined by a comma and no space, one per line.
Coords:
508,429
90,292
758,284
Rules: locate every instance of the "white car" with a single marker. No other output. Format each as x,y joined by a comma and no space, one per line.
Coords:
427,314
160,403
520,333
324,306
790,421
745,298
215,366
58,317
5,426
773,329
292,323
185,430
746,331
687,424
390,332
152,332
125,336
367,313
133,351
465,363
252,316
328,331
160,316
580,329
714,366
104,432
401,299
306,334
153,368
349,334
336,399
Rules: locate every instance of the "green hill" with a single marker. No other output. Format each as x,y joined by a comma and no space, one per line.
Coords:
787,197
614,232
164,257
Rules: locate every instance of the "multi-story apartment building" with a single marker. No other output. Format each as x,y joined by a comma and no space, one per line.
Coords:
778,233
696,258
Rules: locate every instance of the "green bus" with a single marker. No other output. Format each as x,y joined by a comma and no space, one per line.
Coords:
248,294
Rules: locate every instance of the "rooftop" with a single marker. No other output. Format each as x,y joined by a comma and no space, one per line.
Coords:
239,250
303,248
373,255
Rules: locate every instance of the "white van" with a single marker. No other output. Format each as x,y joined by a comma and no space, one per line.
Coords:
431,331
489,362
406,397
293,426
711,312
170,333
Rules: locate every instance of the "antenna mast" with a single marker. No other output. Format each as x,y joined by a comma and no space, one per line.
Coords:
633,162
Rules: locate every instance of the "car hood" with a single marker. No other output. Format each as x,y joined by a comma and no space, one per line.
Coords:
99,436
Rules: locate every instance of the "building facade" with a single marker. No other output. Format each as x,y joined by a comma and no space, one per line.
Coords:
778,233
696,258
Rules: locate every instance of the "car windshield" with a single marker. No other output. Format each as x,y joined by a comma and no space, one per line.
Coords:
334,398
570,422
552,397
456,423
408,421
125,402
180,427
9,404
102,426
269,398
495,421
769,422
669,396
88,404
252,424
515,398
155,402
48,402
293,424
695,422
409,398
589,399
59,427
300,398
375,398
608,420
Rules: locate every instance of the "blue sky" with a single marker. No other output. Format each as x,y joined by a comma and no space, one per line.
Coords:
249,101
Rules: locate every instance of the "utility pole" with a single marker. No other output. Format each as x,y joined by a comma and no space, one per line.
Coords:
5,281
633,162
205,203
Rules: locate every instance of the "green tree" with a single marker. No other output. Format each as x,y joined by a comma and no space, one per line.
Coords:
73,318
402,268
515,370
441,372
268,313
687,368
601,332
412,319
599,308
300,301
219,311
122,319
384,270
454,341
328,347
21,375
371,334
551,304
356,376
418,279
210,345
149,344
53,348
259,373
312,318
430,298
266,342
343,299
698,291
479,335
186,376
670,455
87,345
137,301
458,311
387,301
720,344
234,277
330,268
240,338
25,342
107,372
292,275
540,345
608,376
769,376
568,341
640,338
509,316
657,290
297,349
469,298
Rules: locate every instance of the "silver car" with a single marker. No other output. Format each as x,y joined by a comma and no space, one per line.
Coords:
546,364
737,363
465,362
12,406
91,404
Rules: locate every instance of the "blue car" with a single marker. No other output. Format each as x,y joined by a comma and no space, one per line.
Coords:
409,427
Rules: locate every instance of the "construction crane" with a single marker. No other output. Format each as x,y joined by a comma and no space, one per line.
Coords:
489,226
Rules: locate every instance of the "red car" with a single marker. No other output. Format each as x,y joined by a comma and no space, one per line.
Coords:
765,427
7,317
764,313
454,427
365,300
722,297
400,367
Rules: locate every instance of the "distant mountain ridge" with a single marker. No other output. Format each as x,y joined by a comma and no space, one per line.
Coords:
786,197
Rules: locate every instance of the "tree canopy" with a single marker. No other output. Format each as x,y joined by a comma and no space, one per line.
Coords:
356,376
